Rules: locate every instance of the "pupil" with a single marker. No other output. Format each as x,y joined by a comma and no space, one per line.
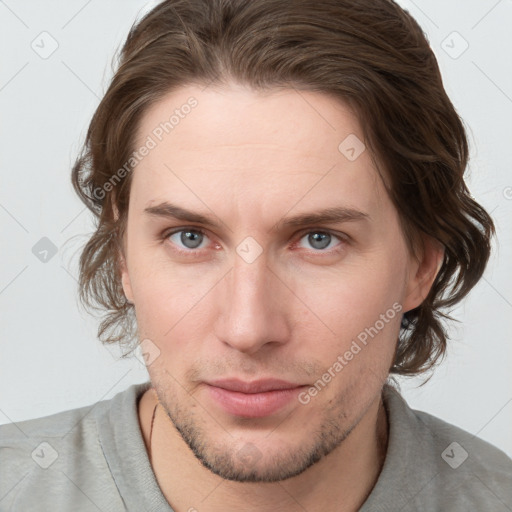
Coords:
320,240
191,239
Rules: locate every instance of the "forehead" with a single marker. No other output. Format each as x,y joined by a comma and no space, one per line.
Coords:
308,122
278,147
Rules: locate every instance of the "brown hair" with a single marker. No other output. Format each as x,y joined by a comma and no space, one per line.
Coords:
370,54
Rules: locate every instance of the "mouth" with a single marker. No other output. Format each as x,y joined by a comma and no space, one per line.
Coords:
255,399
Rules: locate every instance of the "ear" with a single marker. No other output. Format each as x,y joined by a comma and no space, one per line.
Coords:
125,278
422,272
121,258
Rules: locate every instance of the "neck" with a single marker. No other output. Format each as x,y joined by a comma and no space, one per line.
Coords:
340,481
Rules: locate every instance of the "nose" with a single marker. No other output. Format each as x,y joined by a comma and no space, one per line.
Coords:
252,307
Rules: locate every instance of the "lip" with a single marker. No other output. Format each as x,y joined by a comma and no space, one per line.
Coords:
256,386
255,399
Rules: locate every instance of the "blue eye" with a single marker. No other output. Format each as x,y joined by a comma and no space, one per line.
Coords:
320,240
189,238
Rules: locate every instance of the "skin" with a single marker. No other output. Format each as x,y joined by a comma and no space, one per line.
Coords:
249,160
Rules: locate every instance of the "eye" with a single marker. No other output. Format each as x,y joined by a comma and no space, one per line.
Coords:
191,240
320,240
188,238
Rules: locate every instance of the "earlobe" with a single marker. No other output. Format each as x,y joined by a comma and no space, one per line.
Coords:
423,273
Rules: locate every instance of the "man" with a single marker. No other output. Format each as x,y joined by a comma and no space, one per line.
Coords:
281,208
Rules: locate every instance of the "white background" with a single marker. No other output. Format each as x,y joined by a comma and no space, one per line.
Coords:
50,357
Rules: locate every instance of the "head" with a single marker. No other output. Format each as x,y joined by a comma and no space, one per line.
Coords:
279,193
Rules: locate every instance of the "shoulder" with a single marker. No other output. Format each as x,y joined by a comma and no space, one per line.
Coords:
39,440
459,445
434,465
40,455
470,465
59,459
52,425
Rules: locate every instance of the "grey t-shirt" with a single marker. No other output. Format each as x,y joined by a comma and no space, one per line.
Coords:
94,459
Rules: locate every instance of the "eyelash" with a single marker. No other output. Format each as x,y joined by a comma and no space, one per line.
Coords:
192,252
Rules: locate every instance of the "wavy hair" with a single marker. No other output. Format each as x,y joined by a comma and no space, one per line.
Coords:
369,54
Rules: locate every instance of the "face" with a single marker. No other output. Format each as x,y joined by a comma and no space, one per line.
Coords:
268,272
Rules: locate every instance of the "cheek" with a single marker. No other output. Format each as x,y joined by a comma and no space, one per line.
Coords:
363,289
171,303
357,302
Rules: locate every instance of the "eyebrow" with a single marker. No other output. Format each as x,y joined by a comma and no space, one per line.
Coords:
171,211
328,215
